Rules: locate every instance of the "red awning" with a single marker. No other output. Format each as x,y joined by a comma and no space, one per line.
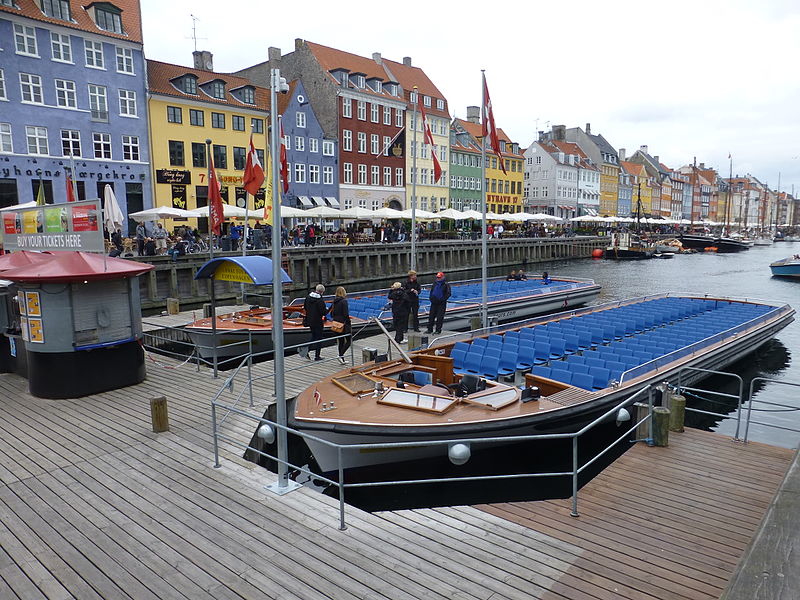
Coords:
22,258
76,267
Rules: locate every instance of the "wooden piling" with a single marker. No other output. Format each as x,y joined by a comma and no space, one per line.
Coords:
677,413
159,414
643,429
173,306
661,426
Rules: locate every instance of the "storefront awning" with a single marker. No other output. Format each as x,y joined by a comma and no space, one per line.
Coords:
332,201
319,200
305,201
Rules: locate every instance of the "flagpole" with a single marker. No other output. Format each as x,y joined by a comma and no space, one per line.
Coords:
484,249
208,205
74,181
414,187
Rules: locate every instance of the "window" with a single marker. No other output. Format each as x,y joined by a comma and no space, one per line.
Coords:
189,84
398,117
348,173
198,154
248,95
299,173
387,115
362,174
362,110
347,107
25,40
220,154
130,147
313,173
376,175
412,97
374,112
393,89
378,86
299,143
327,175
300,119
237,123
5,138
387,176
176,153
58,9
385,148
197,117
327,148
127,103
423,176
98,103
125,62
426,100
94,54
313,145
2,85
218,90
440,104
362,142
70,142
65,94
31,86
60,47
109,18
257,125
102,145
347,140
374,143
174,114
239,158
398,177
360,81
218,120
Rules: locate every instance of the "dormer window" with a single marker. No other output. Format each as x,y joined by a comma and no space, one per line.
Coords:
377,86
360,81
190,84
58,9
218,90
107,16
248,95
345,79
426,100
412,97
440,104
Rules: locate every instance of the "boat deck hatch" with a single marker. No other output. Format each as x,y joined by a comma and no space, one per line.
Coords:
418,401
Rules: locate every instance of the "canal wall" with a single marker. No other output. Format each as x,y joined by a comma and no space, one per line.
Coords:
355,264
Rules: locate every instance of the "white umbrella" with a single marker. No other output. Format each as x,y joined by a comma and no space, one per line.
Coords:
228,211
388,213
112,215
160,212
472,214
31,204
291,212
451,213
419,214
324,212
357,213
543,217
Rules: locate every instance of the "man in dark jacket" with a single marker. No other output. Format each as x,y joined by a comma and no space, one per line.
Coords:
315,309
397,296
412,289
440,292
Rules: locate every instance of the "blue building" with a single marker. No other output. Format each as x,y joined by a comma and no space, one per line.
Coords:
625,193
72,82
313,158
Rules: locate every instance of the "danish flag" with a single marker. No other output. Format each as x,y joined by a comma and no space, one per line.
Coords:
489,130
428,136
317,397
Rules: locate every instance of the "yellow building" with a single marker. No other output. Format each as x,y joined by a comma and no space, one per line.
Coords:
641,188
609,188
188,106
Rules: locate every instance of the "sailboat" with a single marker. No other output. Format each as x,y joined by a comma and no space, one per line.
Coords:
630,246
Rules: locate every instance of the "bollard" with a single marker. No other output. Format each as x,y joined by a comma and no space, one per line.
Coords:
642,429
475,323
417,340
677,413
661,426
158,413
173,306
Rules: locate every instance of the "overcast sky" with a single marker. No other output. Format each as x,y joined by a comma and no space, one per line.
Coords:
702,78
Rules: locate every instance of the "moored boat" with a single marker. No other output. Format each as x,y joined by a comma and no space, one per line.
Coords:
574,366
507,301
786,267
628,246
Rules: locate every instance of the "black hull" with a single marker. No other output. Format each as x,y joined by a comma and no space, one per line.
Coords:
628,254
697,242
727,246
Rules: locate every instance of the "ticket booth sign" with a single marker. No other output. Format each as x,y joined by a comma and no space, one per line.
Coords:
71,226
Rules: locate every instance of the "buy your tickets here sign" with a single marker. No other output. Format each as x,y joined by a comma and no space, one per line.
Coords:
72,226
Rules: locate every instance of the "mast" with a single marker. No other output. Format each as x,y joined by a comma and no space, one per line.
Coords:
728,198
414,187
484,249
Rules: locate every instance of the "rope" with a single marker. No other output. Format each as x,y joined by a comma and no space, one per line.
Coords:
162,365
721,403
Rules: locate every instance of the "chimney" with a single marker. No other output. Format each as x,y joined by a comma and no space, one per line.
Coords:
643,148
702,165
588,129
622,154
273,54
658,161
298,43
474,114
203,59
376,56
560,132
407,61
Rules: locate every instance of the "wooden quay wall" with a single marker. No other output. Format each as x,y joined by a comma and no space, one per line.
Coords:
337,264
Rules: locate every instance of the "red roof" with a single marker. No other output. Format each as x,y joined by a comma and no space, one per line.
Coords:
76,267
22,258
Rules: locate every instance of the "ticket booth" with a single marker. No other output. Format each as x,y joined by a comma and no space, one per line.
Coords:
80,321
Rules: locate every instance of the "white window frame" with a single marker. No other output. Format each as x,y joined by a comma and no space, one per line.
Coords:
93,54
25,40
374,144
374,112
375,175
313,145
125,56
3,85
439,104
347,172
72,138
362,174
313,174
347,140
31,85
61,45
300,119
387,176
426,101
98,101
101,145
39,134
387,115
67,90
386,141
347,107
130,144
299,143
6,138
327,175
127,103
398,117
362,142
398,177
299,172
327,148
362,110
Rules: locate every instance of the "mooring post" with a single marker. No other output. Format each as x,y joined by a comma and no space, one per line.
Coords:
643,428
661,426
158,414
677,413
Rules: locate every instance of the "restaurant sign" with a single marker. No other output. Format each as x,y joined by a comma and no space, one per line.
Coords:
173,176
71,226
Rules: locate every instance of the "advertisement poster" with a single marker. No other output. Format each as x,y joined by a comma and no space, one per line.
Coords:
12,222
61,227
55,219
84,218
23,325
259,200
32,221
35,331
23,305
179,197
32,303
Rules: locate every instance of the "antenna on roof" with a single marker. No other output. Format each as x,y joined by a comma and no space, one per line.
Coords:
194,31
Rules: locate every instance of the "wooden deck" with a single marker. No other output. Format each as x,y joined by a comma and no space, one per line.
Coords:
95,505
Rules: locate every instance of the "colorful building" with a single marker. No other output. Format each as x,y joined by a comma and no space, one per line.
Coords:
465,170
72,94
606,158
188,106
640,190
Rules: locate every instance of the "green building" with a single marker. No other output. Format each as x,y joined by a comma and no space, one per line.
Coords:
465,169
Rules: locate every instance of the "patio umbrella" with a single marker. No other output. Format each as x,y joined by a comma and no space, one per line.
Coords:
472,214
357,213
288,212
451,213
228,211
323,212
160,212
31,204
388,213
112,215
419,214
543,217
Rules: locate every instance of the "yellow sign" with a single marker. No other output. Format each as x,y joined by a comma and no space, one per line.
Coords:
36,331
229,271
32,301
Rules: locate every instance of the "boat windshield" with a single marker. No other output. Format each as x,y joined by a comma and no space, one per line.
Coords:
419,401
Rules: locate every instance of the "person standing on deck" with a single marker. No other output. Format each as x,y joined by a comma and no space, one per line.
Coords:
315,310
340,311
397,296
440,292
413,289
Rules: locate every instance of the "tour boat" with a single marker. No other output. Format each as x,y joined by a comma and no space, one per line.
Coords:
707,243
786,267
628,246
548,375
507,301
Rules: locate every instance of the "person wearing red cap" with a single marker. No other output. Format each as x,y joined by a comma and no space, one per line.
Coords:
440,292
